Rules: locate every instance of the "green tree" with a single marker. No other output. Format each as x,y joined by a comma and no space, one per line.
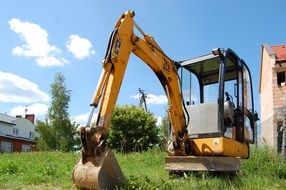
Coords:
57,132
46,140
164,132
132,129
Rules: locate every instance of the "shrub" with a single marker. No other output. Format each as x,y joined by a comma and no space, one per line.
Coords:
132,129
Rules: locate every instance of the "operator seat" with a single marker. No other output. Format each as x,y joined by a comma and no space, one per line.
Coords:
228,112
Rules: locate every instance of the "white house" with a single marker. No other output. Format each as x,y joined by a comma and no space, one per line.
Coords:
17,133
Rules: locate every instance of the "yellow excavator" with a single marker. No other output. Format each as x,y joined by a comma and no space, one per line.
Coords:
211,109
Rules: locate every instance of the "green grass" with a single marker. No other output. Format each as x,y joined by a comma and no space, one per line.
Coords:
264,170
32,170
52,170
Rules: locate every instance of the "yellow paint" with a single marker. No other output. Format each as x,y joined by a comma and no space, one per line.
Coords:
220,146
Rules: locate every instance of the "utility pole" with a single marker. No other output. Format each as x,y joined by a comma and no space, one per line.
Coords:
26,110
142,98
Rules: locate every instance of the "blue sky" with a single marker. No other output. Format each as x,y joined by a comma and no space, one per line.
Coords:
40,38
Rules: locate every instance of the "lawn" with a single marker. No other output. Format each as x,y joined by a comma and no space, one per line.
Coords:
52,170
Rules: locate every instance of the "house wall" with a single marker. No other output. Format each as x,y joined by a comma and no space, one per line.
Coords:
6,128
25,127
279,93
17,143
266,98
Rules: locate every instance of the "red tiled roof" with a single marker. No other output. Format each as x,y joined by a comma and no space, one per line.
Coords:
280,52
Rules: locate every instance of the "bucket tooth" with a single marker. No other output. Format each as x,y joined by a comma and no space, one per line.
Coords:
98,172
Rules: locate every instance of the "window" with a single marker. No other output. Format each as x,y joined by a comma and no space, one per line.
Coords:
230,88
6,147
280,78
15,131
211,92
26,148
190,87
31,135
247,93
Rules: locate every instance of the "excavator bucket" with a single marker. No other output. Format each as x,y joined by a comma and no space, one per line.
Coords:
98,172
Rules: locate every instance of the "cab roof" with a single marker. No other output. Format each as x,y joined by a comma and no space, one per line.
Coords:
207,67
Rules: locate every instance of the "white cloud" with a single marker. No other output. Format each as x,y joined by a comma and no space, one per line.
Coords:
80,47
159,120
82,118
36,44
49,61
38,109
16,89
154,99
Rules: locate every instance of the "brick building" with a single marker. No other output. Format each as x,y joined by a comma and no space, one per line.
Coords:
17,133
272,91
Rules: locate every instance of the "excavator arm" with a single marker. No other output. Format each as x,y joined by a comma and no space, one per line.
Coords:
121,44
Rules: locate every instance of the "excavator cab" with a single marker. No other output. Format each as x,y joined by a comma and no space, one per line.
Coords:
217,91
